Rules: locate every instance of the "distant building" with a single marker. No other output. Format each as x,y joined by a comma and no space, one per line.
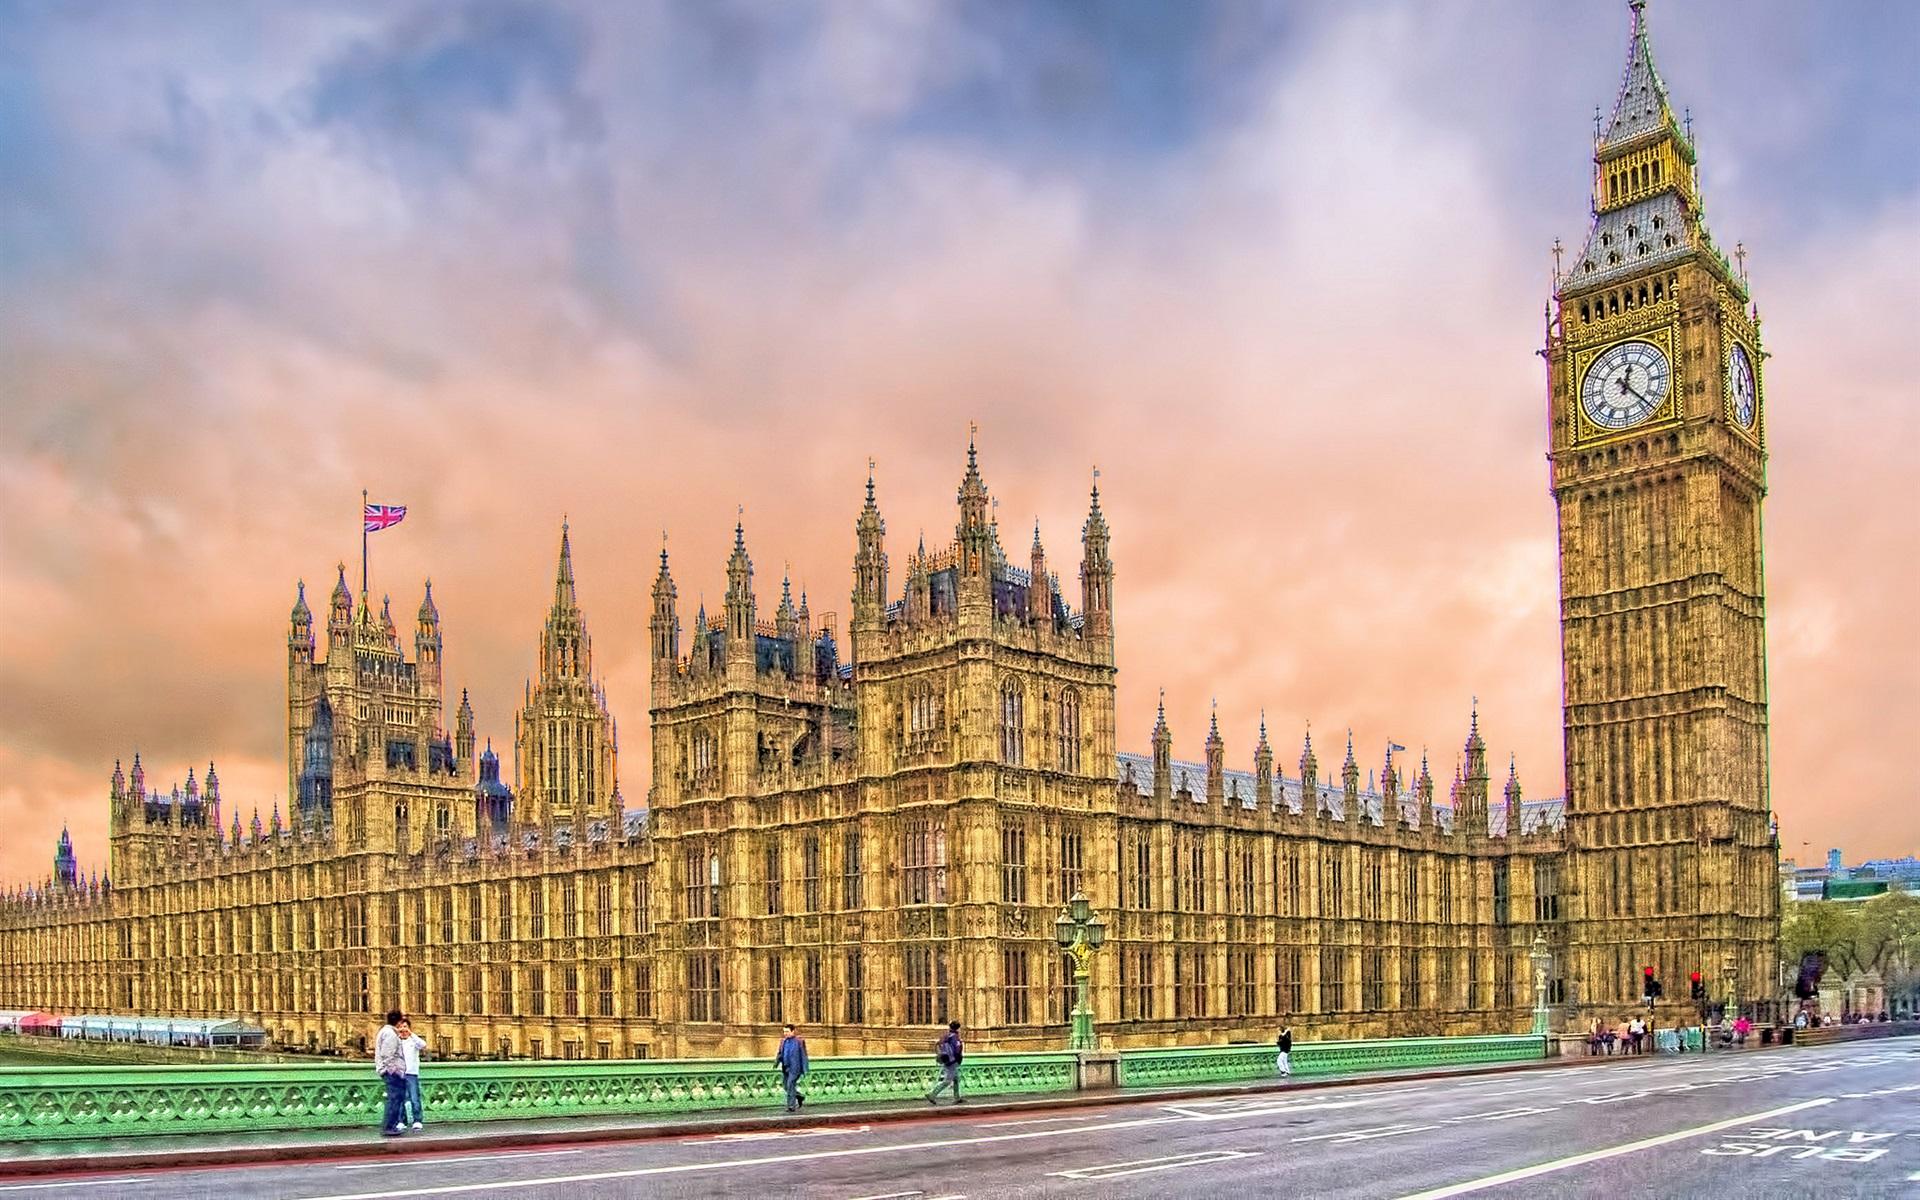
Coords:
1835,881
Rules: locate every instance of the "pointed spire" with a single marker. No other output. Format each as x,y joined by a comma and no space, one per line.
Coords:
564,598
429,612
386,618
1641,105
301,613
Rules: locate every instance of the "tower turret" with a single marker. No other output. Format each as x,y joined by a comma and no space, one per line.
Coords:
1216,751
1310,804
1096,570
1424,786
339,613
1263,767
740,601
426,646
869,568
1510,795
1350,784
1162,753
1474,782
974,533
463,732
1039,588
300,627
664,625
65,867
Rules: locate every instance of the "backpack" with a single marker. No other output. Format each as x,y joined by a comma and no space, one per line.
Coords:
941,1054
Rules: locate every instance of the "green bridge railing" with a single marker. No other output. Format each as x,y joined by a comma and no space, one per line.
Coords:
74,1102
49,1103
1224,1064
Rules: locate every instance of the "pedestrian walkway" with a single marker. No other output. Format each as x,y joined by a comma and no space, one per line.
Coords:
143,1153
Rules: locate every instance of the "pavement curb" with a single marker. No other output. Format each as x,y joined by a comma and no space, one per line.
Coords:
476,1136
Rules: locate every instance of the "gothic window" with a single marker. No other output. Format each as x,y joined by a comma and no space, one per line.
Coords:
1410,891
856,1011
810,876
1016,987
1333,876
476,919
536,908
774,1001
1190,984
446,917
1072,864
1013,864
695,864
640,887
1136,983
603,911
1142,870
643,988
1288,968
770,879
926,984
1546,890
605,990
1373,970
1069,749
713,885
536,991
924,879
703,987
1502,891
1012,723
1333,979
570,992
852,891
569,909
1240,983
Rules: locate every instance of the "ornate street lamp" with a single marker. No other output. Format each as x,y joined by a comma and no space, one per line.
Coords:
1542,960
1080,933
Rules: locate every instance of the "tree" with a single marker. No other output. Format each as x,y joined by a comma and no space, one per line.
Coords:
1821,927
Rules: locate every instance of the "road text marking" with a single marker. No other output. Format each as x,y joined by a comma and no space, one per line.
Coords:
1578,1160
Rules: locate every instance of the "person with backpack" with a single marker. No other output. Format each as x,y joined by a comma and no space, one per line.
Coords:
1283,1062
948,1052
792,1061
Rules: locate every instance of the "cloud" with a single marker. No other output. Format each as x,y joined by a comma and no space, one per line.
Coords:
639,265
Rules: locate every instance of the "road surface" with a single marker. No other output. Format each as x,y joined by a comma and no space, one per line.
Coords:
1831,1122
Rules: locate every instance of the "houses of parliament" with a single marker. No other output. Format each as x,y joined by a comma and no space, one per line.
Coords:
870,830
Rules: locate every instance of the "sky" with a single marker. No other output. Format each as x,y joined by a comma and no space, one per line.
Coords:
1277,270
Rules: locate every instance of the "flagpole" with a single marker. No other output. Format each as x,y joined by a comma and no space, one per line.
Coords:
363,546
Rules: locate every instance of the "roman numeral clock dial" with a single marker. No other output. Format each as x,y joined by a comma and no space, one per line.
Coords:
1625,385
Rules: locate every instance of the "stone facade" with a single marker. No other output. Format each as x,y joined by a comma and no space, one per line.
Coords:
873,838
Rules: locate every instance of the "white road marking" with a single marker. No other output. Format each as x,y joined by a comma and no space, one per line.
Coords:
436,1161
763,1135
1577,1160
1365,1135
92,1183
1030,1121
1140,1166
510,1185
890,1196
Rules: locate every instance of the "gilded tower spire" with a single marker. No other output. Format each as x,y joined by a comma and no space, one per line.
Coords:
975,531
1350,784
740,602
869,563
1216,752
1309,778
1263,766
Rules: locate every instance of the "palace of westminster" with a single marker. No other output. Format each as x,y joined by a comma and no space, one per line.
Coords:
870,835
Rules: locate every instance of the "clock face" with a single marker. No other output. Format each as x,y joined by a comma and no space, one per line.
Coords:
1625,385
1740,390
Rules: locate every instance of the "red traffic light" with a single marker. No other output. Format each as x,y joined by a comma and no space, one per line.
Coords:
1695,977
1647,971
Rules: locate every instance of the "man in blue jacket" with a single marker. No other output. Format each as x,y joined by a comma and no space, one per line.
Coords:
792,1061
948,1054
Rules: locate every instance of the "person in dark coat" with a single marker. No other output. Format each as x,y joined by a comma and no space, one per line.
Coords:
1283,1061
948,1054
792,1061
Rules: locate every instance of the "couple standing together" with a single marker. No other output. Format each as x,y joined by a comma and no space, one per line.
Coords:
396,1056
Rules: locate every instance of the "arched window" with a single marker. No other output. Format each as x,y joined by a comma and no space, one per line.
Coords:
1069,756
1012,723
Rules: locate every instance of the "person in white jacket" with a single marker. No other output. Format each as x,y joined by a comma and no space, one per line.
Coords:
411,1044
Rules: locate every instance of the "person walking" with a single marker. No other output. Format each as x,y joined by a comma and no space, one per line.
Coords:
1283,1061
948,1053
390,1063
411,1044
792,1061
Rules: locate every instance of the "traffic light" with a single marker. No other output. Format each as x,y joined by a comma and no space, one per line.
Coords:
1649,985
1699,986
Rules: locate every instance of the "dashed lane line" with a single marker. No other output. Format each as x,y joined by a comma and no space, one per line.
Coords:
87,1183
504,1156
1142,1166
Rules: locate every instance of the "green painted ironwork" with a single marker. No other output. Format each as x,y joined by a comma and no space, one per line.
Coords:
76,1102
1176,1065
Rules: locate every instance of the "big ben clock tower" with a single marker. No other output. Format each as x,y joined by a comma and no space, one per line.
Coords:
1657,406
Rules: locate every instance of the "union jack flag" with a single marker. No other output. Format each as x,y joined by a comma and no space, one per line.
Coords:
380,516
